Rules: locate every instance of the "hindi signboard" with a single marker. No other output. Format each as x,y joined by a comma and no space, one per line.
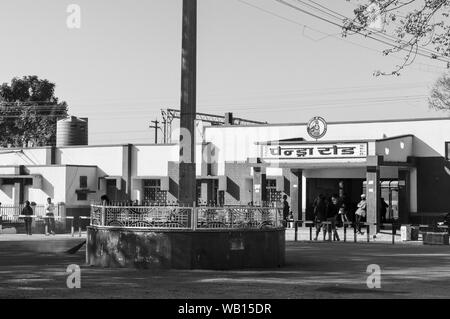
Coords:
315,151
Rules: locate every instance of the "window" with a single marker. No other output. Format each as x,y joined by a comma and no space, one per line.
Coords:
81,196
447,151
271,191
152,191
83,181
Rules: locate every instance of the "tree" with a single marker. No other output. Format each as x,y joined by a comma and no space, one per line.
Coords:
415,27
440,94
28,112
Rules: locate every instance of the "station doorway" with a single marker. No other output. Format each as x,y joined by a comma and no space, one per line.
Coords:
352,188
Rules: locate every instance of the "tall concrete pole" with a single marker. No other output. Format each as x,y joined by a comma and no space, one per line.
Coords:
187,182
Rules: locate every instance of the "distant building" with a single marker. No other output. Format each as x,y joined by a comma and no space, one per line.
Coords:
405,161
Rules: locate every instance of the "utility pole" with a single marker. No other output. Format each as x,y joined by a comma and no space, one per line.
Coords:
156,127
164,123
187,178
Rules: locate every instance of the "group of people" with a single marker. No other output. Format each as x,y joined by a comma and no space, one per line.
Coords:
335,210
49,208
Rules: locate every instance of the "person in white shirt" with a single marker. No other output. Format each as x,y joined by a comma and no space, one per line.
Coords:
49,212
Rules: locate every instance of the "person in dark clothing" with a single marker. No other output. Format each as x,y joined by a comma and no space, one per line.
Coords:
286,211
332,214
344,208
320,213
384,208
104,199
27,211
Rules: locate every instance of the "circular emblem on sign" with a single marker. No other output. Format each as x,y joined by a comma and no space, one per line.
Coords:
317,127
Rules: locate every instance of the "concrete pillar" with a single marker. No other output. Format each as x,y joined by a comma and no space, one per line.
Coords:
373,194
404,195
259,185
16,193
295,182
206,194
187,177
126,171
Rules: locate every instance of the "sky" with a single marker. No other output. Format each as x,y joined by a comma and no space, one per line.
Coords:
256,58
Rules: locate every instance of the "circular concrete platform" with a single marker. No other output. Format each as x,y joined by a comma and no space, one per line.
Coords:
218,249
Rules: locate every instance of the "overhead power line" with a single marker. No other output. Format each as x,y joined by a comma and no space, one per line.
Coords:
427,67
383,39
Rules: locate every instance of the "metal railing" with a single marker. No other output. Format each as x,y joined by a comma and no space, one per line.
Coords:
162,217
12,212
364,225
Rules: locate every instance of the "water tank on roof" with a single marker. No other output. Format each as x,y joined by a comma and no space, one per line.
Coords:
72,131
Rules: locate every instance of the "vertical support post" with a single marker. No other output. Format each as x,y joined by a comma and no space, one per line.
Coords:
354,234
330,232
373,193
295,185
87,249
310,231
277,211
296,231
102,217
345,232
194,214
259,185
393,233
404,196
187,177
368,232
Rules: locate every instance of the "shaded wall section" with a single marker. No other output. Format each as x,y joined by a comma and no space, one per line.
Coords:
238,184
433,185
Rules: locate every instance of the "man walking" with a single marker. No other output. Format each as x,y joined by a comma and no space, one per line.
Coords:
320,213
27,211
332,214
50,220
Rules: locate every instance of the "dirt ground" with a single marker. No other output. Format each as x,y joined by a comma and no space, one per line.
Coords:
312,270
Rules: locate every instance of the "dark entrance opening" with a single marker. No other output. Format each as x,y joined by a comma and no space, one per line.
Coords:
351,187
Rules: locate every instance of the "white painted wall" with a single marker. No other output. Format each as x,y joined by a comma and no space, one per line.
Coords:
73,183
238,143
25,156
6,194
53,185
108,158
151,160
396,150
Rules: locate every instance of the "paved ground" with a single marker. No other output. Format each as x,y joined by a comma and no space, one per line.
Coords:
313,270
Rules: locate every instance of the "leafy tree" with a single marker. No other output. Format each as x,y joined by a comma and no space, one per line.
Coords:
415,27
28,112
440,94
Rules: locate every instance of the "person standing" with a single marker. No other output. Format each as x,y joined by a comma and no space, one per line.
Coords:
384,209
344,208
286,211
27,211
320,213
360,213
50,220
332,214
